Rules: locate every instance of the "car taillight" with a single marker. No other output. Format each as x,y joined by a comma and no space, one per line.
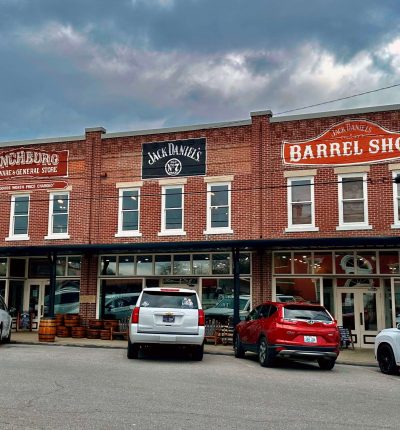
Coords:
135,315
201,317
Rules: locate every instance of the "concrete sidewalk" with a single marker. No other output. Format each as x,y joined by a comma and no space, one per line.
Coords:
359,357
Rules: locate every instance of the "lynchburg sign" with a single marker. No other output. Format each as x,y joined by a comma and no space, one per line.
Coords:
349,142
174,158
24,162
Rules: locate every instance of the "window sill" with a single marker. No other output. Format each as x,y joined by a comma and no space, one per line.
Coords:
219,231
128,234
58,236
395,226
300,229
354,227
172,233
21,237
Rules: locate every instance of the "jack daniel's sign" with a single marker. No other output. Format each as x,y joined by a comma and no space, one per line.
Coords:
174,158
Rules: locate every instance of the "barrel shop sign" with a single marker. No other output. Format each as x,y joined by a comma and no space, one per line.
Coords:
174,158
19,163
349,142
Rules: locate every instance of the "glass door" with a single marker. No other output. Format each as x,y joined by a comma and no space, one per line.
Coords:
36,301
359,310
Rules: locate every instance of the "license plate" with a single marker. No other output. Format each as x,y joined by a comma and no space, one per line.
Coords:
168,318
310,339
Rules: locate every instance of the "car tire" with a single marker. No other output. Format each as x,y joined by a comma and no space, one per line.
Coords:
133,350
386,360
265,356
238,347
198,352
326,364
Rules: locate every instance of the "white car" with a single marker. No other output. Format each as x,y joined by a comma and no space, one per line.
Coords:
387,350
5,322
167,316
224,308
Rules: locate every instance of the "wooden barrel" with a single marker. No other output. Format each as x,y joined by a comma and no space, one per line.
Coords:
60,319
96,324
47,330
71,320
105,334
114,324
92,333
63,331
78,332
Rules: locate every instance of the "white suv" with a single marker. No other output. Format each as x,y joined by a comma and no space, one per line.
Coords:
167,316
387,350
5,322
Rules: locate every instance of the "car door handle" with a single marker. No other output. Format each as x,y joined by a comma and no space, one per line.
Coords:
361,318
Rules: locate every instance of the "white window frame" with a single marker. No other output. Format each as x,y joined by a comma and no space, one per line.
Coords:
50,234
12,235
300,227
127,233
396,200
355,225
219,230
178,231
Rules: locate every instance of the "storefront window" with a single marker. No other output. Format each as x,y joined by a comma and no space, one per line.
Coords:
302,263
126,266
61,266
144,265
16,296
118,297
388,303
323,263
245,264
162,265
389,262
215,290
329,297
66,299
182,264
201,264
17,267
282,262
3,288
74,266
108,265
39,268
220,264
298,289
3,266
344,262
366,263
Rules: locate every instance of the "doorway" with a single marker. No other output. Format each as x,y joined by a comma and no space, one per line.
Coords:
360,311
36,300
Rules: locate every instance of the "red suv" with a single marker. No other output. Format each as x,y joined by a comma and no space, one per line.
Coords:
289,330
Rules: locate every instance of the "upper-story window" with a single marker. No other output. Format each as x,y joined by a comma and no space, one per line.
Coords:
128,214
396,198
353,201
58,216
19,219
218,208
301,206
172,213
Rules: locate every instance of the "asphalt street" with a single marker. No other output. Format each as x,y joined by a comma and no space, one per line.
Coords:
48,387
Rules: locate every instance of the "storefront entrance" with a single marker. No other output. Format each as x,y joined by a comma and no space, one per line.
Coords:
360,310
36,295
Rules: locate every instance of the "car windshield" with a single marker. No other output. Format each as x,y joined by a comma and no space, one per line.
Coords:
169,299
227,302
306,313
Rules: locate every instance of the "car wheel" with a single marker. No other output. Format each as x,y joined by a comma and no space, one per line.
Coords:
265,356
326,364
133,350
386,360
198,352
238,347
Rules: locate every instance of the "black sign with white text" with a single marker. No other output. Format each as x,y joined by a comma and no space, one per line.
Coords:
174,158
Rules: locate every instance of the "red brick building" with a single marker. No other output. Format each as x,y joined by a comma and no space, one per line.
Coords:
272,207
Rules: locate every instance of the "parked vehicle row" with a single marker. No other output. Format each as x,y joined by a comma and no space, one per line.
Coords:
5,322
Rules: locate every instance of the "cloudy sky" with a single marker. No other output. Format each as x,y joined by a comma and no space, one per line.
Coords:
140,64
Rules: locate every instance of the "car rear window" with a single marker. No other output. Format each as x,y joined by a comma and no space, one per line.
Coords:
296,312
165,299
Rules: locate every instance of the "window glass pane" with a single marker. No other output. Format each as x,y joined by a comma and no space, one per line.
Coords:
301,213
353,211
173,198
282,262
323,262
219,195
61,266
389,262
329,296
299,289
17,267
2,289
20,225
220,264
67,297
302,263
119,297
162,265
108,265
130,220
173,219
60,223
3,266
21,205
144,265
220,291
130,200
244,263
126,265
301,191
344,262
366,263
74,266
181,264
219,217
352,188
60,203
39,268
201,264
